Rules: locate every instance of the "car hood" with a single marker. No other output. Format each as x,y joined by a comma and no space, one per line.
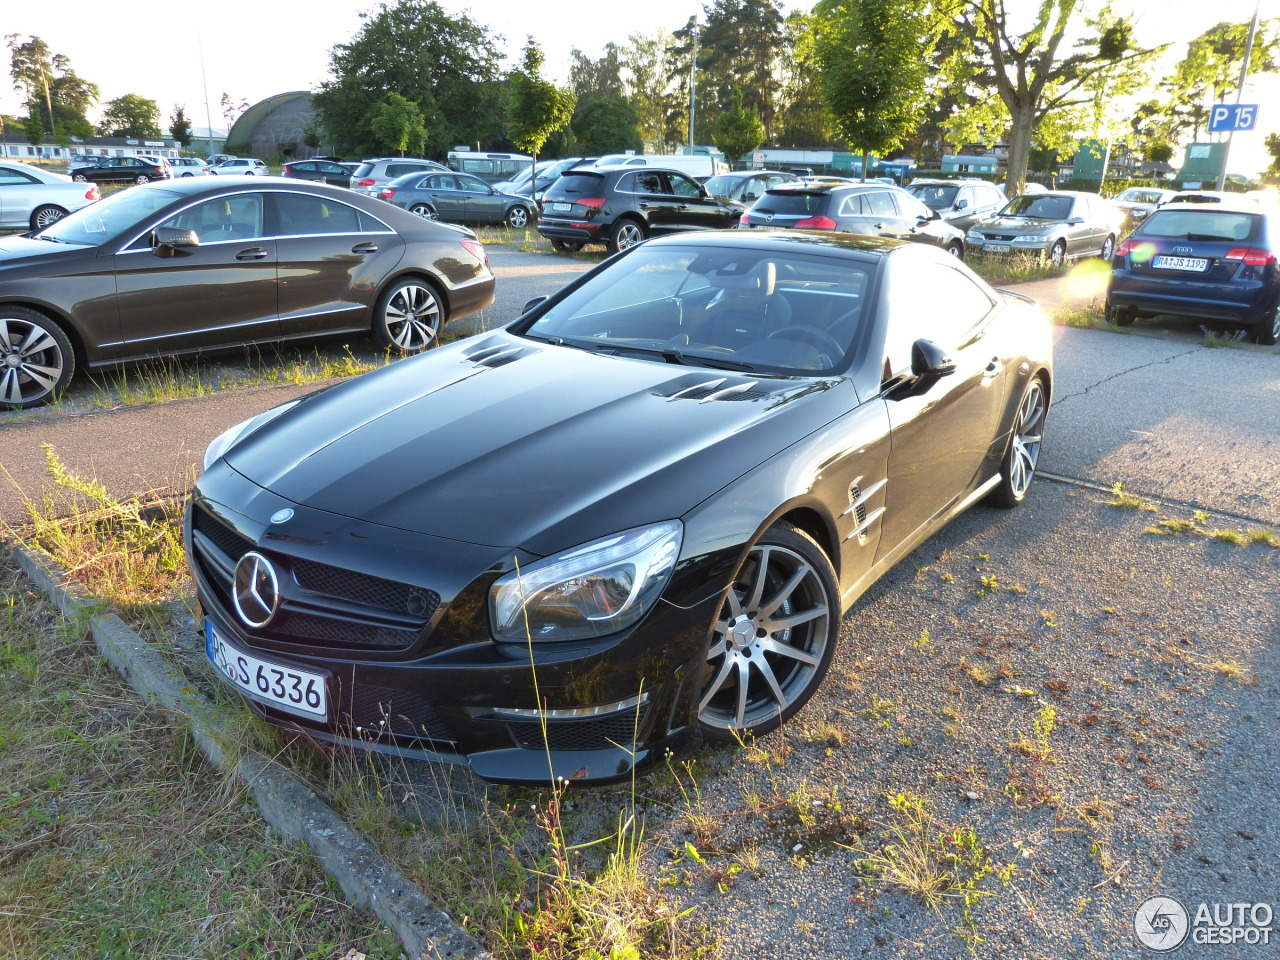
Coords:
26,249
1022,225
507,442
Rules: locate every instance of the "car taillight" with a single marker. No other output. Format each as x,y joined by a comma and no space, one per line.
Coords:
366,182
476,249
594,203
92,193
1252,257
744,220
386,193
816,223
1125,247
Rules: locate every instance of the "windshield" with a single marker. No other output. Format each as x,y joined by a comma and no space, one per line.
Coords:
1038,206
935,196
720,307
107,219
721,186
1200,224
1139,195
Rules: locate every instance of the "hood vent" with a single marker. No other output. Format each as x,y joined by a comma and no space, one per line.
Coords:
721,388
497,355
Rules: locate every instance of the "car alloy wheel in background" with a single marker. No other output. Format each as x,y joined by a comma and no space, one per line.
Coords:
43,216
408,317
625,233
774,638
518,217
36,359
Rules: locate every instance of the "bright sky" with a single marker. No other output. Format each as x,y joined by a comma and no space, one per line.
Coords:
256,49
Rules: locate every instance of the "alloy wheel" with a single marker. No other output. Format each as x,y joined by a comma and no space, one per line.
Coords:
33,362
1028,428
45,216
411,317
769,646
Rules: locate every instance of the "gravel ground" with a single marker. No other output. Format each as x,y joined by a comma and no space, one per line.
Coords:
1159,776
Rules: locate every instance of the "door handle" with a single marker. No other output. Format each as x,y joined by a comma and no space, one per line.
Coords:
992,369
368,247
644,205
253,253
878,226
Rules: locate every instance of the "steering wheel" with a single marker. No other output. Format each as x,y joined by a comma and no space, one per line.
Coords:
825,344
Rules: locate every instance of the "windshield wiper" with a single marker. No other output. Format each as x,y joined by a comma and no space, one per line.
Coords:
672,355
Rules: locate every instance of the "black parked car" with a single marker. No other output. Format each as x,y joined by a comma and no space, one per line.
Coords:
639,509
1216,262
621,206
123,170
871,209
322,171
457,198
208,262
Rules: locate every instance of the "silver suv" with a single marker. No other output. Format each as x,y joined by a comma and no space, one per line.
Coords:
375,173
961,203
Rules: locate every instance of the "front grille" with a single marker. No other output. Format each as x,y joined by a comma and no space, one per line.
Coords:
391,616
615,731
384,711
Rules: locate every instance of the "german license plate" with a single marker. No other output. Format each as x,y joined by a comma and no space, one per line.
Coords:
561,207
1181,263
996,248
291,689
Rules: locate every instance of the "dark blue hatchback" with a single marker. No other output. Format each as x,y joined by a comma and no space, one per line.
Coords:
1216,263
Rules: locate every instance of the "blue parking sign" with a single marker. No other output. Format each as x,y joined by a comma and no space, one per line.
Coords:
1227,117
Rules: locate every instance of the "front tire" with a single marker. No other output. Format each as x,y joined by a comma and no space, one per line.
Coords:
625,234
36,358
1058,254
774,639
956,249
408,316
518,217
1019,466
43,216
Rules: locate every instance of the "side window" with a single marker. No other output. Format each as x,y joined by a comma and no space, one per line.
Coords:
304,215
965,199
472,183
682,186
626,184
225,219
851,206
930,301
879,203
8,175
648,183
911,207
442,181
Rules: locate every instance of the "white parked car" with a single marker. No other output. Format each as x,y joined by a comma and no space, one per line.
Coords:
31,198
241,167
189,167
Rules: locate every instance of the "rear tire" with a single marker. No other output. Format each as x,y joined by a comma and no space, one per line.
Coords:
566,246
423,210
43,216
1120,316
408,317
1268,331
36,358
141,178
1108,248
625,234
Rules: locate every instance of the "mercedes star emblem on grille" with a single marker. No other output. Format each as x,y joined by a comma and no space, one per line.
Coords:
256,591
280,516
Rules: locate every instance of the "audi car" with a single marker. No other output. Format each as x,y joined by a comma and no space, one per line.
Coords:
637,511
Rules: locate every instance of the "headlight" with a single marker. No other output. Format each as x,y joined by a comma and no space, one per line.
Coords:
973,234
1031,238
589,591
228,438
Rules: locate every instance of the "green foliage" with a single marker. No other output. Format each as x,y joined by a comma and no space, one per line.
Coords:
446,64
535,107
646,61
609,125
312,137
399,125
802,120
741,50
34,129
130,116
180,128
739,129
872,69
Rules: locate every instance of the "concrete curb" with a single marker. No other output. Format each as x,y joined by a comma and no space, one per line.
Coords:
368,879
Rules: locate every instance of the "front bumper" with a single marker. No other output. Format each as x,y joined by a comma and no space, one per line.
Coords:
397,623
1007,248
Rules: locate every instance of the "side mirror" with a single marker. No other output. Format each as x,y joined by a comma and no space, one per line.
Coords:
749,197
962,204
1073,221
531,304
929,364
166,240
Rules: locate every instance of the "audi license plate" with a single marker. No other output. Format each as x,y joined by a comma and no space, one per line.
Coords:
996,248
1181,263
561,207
291,689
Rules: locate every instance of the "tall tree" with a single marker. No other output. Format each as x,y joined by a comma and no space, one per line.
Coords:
446,64
802,119
608,125
130,116
1032,77
646,73
399,125
180,128
535,107
592,79
47,82
873,62
742,48
739,129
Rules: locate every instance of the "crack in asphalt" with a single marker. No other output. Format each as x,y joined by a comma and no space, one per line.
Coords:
1121,373
1155,498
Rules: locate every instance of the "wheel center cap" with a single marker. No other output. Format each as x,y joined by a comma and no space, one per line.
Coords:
12,360
743,634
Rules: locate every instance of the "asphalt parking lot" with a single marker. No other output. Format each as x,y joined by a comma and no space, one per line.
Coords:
1158,654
